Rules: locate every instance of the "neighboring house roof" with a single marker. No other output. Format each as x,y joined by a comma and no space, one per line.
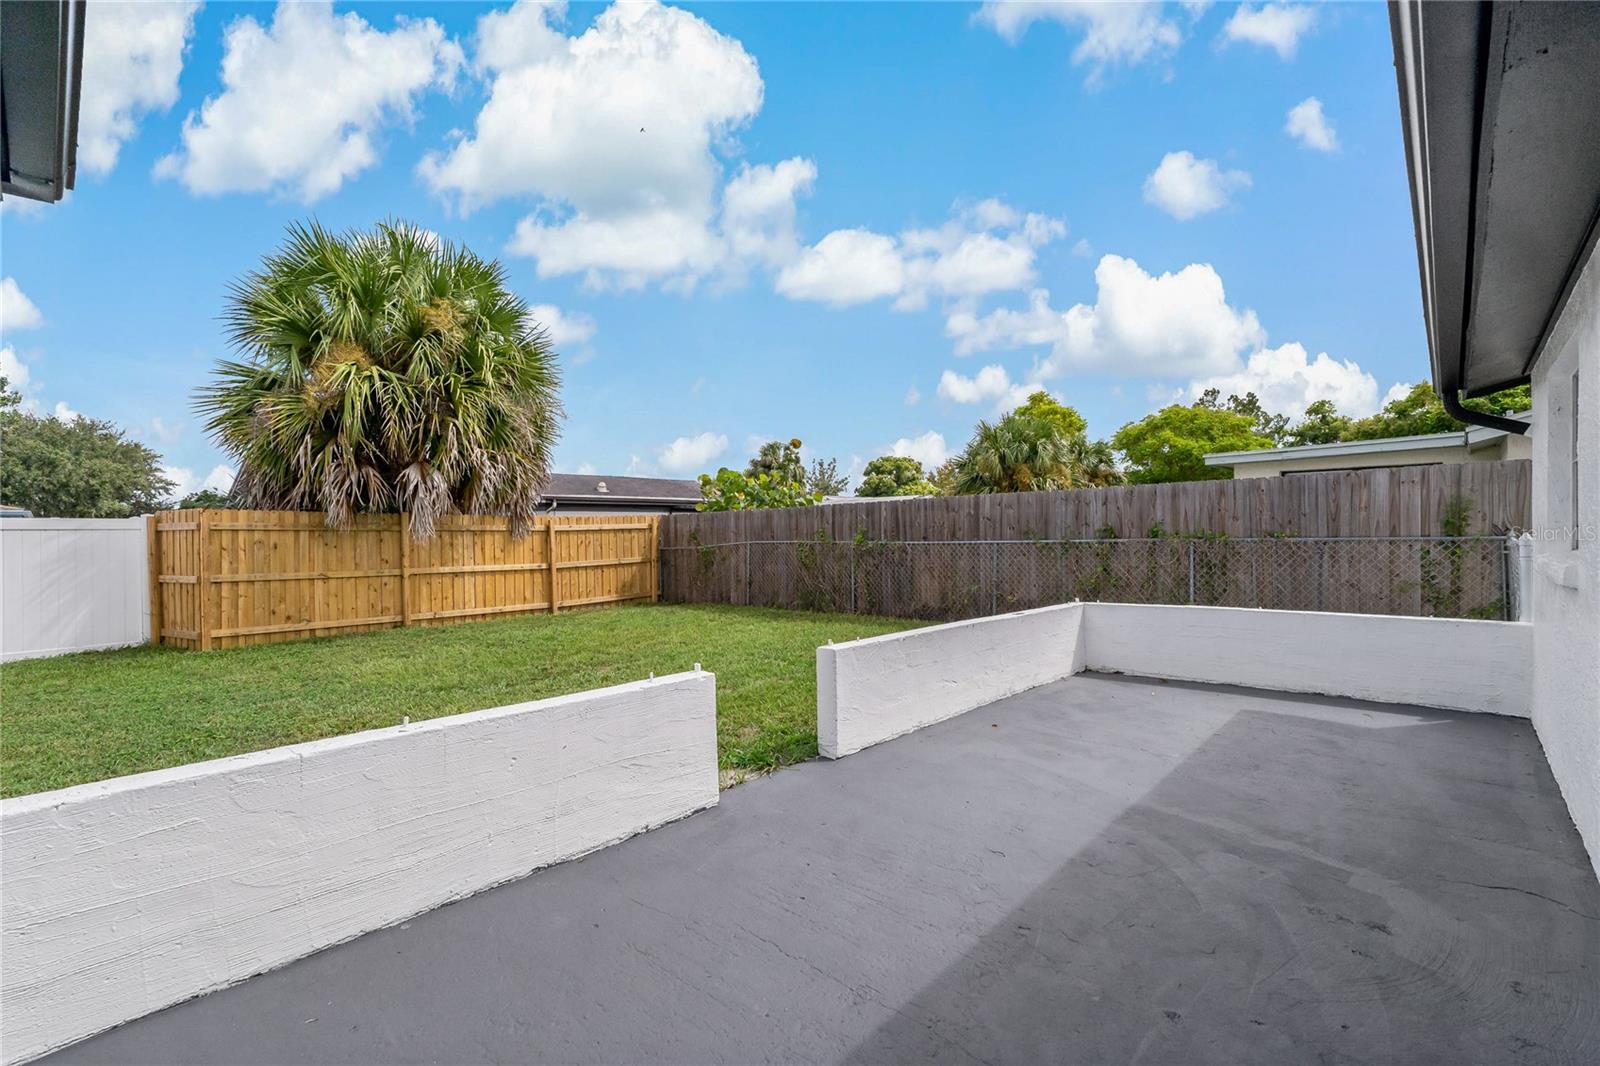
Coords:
622,489
1502,135
39,84
1471,437
872,499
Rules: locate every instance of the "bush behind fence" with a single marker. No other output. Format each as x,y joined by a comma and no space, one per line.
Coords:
1447,577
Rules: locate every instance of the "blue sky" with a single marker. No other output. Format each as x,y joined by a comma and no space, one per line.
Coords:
863,225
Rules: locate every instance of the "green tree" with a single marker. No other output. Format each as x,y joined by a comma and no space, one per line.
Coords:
944,478
731,490
824,479
1019,453
780,459
205,498
1094,462
1322,424
384,370
76,468
1271,426
1421,411
1171,444
895,475
1066,420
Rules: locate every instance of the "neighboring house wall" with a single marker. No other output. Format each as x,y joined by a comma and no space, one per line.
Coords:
72,584
1507,447
1566,594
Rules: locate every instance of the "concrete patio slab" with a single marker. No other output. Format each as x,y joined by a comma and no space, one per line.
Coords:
1104,869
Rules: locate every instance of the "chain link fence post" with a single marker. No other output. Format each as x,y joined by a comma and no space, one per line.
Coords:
747,573
1322,573
855,595
994,578
1191,572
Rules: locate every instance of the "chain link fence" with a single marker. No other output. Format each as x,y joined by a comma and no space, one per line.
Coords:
1445,577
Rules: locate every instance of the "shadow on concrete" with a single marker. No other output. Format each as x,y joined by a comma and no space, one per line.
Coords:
1298,889
1107,869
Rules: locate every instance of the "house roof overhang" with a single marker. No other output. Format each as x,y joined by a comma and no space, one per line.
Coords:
1502,138
1470,438
41,73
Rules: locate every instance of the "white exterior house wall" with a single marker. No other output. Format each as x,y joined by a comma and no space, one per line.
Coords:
72,584
125,896
1566,577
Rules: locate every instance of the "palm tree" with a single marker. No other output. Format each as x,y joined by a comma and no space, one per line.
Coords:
1094,462
384,371
1019,453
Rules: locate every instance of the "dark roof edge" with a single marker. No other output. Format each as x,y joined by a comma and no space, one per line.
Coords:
1405,32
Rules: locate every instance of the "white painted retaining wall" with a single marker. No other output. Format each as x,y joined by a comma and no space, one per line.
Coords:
124,896
871,690
1450,663
72,584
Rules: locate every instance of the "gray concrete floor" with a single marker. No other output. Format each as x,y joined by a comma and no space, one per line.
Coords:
1108,869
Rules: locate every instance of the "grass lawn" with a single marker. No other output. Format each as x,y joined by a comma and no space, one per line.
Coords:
78,718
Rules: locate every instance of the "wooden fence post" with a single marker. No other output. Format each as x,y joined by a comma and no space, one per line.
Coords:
203,580
405,568
152,533
655,560
550,540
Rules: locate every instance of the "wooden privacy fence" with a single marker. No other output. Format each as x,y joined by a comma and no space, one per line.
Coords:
1384,541
1392,502
221,579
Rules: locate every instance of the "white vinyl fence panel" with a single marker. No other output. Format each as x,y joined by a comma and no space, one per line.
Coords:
72,584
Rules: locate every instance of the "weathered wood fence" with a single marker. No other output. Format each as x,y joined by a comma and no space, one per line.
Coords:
1393,502
222,579
1370,541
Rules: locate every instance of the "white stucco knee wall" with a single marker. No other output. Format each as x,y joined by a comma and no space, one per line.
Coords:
871,690
125,896
1449,663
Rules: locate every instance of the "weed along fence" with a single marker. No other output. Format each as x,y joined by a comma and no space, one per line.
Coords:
224,579
1424,541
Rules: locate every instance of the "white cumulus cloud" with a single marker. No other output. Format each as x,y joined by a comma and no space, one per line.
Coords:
987,247
1113,33
1288,380
928,449
1275,26
14,370
185,481
758,212
614,134
990,384
63,413
563,328
1308,125
1140,325
1185,187
692,454
16,310
132,56
848,266
305,100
